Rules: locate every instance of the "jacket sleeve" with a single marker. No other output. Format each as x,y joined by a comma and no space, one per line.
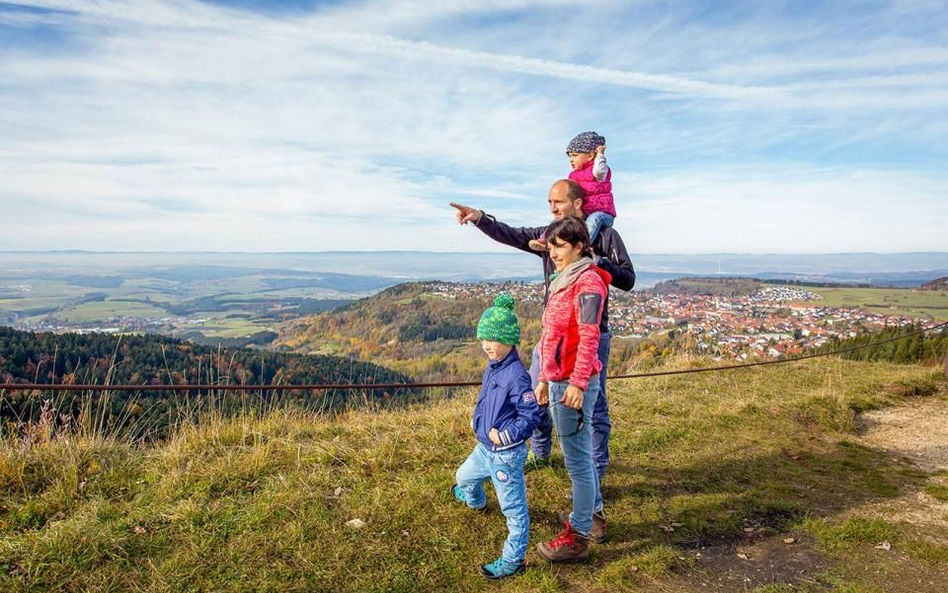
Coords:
616,261
600,168
528,413
587,307
518,238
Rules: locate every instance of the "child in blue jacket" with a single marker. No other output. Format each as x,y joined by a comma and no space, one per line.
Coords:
504,417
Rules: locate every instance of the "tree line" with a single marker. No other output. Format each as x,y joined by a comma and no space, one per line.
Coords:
927,348
102,359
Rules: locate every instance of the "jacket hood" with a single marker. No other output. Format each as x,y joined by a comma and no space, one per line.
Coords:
573,271
606,276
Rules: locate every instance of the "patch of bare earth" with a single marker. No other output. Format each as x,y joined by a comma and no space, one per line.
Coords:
760,561
917,433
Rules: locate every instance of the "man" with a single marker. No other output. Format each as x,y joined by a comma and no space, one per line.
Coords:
565,199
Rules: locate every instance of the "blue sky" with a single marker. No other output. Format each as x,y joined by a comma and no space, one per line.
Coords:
760,127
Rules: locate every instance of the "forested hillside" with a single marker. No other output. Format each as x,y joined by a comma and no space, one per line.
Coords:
714,286
410,328
928,348
27,357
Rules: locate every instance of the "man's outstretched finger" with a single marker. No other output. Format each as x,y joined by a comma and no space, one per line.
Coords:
465,214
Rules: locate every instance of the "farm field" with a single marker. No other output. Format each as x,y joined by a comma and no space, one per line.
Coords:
929,304
208,301
105,310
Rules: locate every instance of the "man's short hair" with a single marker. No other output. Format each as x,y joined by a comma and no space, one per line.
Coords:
574,191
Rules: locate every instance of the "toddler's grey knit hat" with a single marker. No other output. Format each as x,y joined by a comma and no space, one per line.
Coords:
585,142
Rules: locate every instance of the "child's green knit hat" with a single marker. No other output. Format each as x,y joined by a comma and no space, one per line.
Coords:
499,323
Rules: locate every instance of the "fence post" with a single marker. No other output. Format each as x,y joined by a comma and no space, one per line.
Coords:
946,361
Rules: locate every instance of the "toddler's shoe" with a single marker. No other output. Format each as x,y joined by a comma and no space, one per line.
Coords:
501,569
538,244
461,496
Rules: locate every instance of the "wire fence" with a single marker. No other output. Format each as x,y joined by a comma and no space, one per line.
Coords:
366,386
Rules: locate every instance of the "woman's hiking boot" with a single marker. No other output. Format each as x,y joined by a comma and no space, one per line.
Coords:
567,546
461,496
598,532
501,569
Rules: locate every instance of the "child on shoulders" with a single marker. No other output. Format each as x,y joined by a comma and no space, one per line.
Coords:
587,158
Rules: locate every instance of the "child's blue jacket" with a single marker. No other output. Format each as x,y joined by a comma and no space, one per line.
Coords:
506,402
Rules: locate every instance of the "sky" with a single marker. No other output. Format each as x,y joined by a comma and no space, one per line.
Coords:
791,126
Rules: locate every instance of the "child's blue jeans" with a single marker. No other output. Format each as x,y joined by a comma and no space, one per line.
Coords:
505,470
595,221
574,428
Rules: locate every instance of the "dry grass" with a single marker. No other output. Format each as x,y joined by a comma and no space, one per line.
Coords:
261,502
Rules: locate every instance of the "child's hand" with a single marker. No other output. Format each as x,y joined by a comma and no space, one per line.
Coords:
601,150
543,393
494,436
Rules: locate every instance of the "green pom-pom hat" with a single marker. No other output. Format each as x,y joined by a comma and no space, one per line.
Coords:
499,323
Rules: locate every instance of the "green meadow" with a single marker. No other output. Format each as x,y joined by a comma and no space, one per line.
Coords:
751,480
931,304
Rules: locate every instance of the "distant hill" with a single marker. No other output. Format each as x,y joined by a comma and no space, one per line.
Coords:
27,357
424,329
936,284
713,286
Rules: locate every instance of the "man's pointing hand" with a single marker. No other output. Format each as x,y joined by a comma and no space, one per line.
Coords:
466,214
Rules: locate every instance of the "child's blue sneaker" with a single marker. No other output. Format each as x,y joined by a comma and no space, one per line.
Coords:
461,496
501,569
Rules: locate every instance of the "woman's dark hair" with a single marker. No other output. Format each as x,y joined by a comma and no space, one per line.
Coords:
570,230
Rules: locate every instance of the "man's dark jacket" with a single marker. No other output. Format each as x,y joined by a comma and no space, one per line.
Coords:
608,247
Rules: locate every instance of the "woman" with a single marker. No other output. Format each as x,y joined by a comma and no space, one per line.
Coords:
569,375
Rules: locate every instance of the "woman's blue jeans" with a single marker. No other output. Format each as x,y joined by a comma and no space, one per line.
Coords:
505,470
542,439
574,428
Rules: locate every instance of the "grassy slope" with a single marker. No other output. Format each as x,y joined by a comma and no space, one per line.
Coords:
261,504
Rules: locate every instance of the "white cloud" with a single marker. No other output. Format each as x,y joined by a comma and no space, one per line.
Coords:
783,209
173,121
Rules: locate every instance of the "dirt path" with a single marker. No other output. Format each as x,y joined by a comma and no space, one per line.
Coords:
917,432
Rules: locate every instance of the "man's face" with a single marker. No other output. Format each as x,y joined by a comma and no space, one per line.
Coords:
561,206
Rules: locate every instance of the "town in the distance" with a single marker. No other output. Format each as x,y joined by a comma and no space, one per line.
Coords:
723,318
767,321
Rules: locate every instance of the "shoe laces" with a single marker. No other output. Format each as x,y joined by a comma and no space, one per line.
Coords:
564,538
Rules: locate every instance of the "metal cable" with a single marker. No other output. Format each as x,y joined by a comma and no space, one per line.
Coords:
363,386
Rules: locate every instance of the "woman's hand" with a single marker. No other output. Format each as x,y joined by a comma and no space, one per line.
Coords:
573,398
543,393
494,436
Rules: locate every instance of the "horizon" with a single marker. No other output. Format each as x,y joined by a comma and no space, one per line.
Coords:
502,263
497,251
298,126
